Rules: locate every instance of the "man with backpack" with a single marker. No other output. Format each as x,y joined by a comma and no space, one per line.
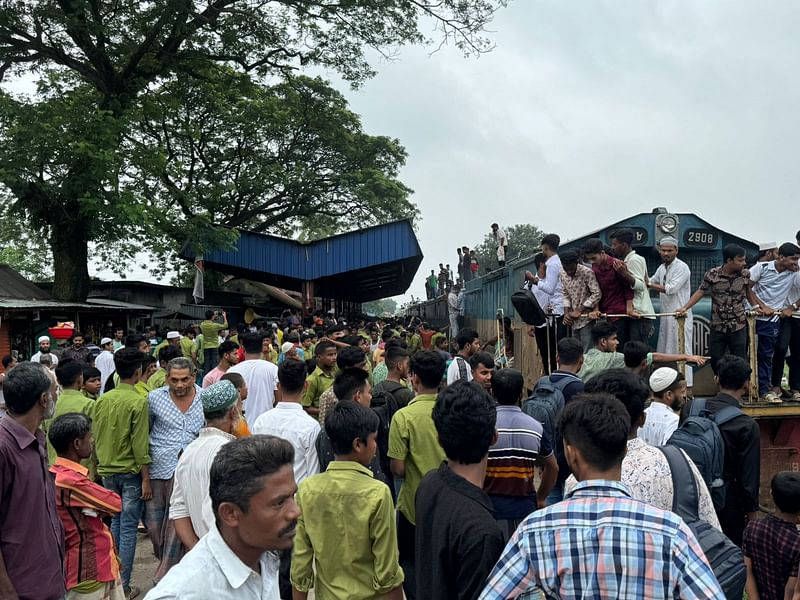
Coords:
645,469
550,395
742,447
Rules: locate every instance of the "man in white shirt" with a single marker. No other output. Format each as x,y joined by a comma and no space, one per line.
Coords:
769,288
44,349
453,310
261,377
661,417
641,329
551,298
672,281
190,504
468,342
105,362
252,492
289,421
645,469
502,244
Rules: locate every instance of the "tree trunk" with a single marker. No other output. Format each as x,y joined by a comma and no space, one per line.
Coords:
70,242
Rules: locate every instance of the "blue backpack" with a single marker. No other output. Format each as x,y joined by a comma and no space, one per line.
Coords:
547,402
700,438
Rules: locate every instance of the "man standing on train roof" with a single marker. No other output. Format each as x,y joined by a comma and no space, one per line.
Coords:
639,329
672,281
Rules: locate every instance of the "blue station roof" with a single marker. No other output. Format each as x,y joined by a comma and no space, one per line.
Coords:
368,264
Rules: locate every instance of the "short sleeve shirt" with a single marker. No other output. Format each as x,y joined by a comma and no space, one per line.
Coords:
413,439
728,313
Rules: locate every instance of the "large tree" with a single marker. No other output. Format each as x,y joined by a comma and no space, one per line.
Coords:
67,152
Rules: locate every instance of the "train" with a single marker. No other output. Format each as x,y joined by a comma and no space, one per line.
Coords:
700,246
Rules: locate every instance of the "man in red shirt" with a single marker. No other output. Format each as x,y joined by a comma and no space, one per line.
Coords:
90,561
614,281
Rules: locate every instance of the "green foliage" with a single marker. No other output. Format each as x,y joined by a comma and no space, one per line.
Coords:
155,123
523,240
379,307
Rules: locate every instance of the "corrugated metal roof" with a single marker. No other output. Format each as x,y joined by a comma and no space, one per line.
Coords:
371,263
14,285
108,303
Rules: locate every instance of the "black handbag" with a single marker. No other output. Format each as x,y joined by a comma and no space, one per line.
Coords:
527,306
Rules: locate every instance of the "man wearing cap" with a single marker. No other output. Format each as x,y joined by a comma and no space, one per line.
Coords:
767,251
105,361
768,291
190,505
672,281
44,349
661,417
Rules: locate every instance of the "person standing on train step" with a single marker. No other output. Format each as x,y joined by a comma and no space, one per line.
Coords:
727,286
640,328
614,280
551,286
581,296
672,281
453,309
769,288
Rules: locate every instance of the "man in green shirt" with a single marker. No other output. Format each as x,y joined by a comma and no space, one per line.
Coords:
322,377
414,450
121,431
354,555
69,374
210,329
604,355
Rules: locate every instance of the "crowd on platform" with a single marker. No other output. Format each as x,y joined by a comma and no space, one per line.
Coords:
375,458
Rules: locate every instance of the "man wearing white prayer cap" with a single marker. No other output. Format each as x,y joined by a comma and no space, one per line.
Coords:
767,251
669,396
672,281
44,349
105,362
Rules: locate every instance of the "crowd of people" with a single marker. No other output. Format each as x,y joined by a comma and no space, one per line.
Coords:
370,458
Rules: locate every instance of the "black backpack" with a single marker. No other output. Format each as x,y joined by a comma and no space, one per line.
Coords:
700,438
725,557
526,304
385,406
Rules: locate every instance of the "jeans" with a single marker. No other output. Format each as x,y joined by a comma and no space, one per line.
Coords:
721,343
454,328
210,359
767,332
125,524
556,495
788,338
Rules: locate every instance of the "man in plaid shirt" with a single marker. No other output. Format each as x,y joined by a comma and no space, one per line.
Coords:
600,542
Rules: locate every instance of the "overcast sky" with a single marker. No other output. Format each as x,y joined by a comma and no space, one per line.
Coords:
588,112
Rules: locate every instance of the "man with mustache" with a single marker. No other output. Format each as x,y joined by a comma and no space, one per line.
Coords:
44,349
32,533
252,492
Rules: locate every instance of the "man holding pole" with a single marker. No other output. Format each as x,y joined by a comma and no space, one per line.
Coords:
672,280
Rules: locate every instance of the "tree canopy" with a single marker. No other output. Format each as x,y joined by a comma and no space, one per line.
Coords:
154,123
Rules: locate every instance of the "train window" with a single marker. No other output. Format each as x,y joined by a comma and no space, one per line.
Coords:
698,265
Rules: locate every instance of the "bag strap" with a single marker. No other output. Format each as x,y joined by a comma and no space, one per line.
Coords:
685,498
462,367
726,414
697,406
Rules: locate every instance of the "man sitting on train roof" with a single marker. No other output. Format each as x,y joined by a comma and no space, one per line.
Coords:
604,355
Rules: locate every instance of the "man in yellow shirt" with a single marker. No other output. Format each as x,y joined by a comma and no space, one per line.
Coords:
322,377
210,329
414,450
355,555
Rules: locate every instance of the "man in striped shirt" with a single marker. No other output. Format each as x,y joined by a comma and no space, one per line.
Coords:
520,447
600,542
